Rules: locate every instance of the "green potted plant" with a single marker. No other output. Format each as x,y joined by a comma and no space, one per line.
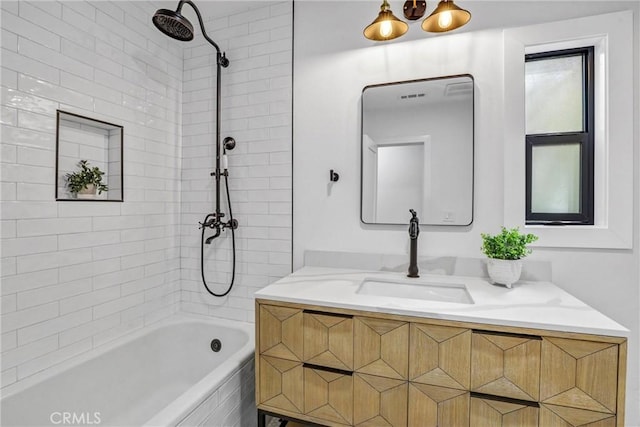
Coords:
86,182
505,251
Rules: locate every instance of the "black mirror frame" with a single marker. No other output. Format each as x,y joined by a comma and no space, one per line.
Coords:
473,148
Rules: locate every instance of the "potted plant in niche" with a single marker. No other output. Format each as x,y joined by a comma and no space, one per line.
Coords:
86,182
505,251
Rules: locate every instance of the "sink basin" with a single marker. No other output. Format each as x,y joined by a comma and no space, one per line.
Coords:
429,291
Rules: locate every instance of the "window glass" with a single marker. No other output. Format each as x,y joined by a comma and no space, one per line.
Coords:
555,186
559,109
554,95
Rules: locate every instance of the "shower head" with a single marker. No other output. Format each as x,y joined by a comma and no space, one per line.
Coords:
173,24
176,26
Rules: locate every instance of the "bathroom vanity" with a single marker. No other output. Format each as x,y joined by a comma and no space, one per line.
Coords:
342,347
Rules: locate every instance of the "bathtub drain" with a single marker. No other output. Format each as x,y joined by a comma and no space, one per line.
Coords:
216,345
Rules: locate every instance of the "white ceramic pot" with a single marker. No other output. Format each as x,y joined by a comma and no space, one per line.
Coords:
504,271
88,192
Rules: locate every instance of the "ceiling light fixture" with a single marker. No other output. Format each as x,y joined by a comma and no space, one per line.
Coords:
446,17
386,26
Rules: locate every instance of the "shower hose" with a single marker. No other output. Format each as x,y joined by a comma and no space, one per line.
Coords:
233,245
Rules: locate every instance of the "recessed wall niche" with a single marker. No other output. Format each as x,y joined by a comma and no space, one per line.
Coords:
97,144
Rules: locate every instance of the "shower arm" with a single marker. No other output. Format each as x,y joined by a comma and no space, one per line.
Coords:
221,61
204,32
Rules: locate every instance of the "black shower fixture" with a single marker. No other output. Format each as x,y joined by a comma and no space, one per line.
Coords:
175,25
228,143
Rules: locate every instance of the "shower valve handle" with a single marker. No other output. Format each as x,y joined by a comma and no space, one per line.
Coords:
232,223
212,221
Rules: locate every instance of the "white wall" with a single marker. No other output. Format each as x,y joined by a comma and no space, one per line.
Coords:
256,111
78,274
332,67
327,132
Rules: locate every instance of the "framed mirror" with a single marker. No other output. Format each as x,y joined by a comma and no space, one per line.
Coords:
417,151
89,164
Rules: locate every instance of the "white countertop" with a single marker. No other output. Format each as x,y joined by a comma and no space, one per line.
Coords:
539,305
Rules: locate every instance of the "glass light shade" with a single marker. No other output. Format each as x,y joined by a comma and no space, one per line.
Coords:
385,27
446,17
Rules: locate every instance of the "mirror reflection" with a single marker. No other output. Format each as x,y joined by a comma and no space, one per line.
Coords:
417,151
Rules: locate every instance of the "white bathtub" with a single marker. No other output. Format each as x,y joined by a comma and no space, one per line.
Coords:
163,375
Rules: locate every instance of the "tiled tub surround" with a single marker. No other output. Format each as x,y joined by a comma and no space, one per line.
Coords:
256,111
166,374
78,274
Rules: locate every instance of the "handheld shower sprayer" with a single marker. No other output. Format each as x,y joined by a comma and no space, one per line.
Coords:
214,220
227,144
175,25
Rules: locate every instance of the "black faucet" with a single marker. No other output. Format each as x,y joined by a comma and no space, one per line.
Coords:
414,230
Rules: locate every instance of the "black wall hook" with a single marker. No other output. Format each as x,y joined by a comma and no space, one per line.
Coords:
333,177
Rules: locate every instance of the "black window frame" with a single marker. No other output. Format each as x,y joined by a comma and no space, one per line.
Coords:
584,138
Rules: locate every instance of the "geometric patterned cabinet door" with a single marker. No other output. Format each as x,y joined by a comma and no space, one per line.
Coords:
495,413
328,395
381,347
379,401
328,340
281,332
281,384
506,365
561,416
432,406
580,374
355,368
440,355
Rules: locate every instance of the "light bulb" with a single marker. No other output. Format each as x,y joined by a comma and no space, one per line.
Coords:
386,28
445,19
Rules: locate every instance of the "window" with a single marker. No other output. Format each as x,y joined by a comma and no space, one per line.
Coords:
559,108
612,37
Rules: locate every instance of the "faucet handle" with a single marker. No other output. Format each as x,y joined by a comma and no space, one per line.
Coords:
414,230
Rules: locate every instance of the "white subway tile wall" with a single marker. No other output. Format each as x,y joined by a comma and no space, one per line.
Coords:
78,274
256,111
232,405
